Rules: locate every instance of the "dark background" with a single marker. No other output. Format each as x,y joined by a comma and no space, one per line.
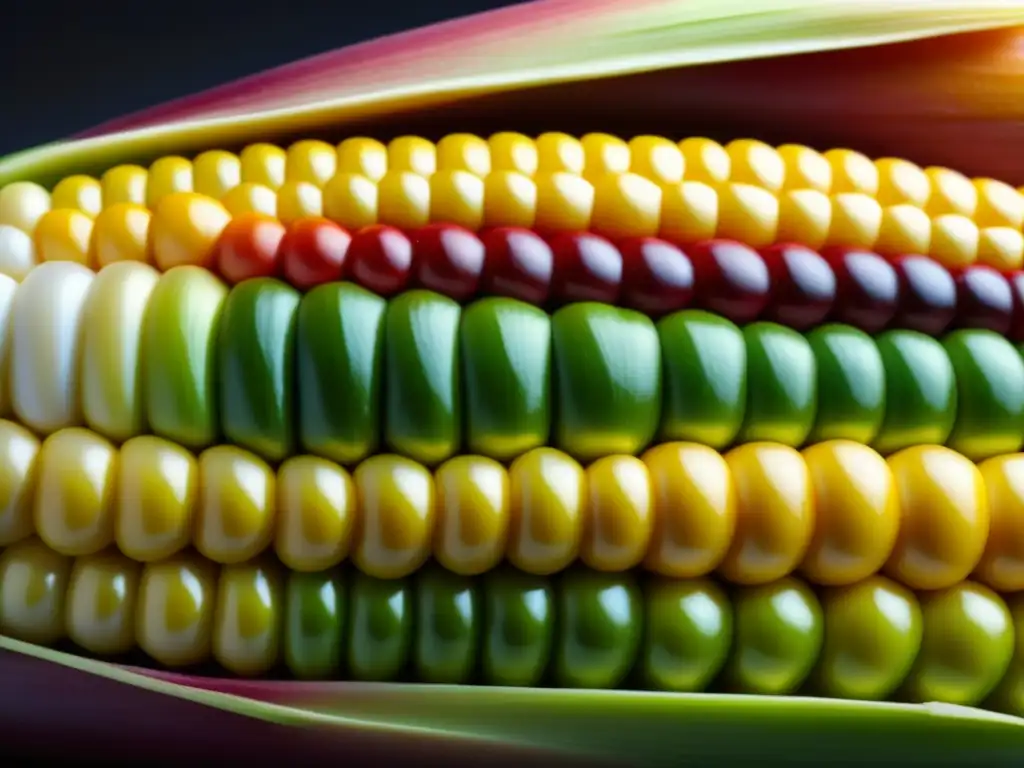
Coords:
66,66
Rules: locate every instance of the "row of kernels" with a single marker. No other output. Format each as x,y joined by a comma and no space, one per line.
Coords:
838,511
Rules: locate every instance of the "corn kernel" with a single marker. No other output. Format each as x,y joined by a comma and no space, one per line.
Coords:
236,511
805,216
464,152
403,199
473,515
33,585
316,507
565,202
604,154
950,192
856,220
17,252
513,152
560,153
156,495
755,163
900,181
247,618
64,234
706,161
22,204
626,205
457,197
351,201
396,515
904,229
124,184
299,200
167,176
954,241
689,212
250,198
81,193
510,200
999,205
215,173
852,172
412,154
19,450
805,168
1001,248
264,164
185,228
120,233
657,159
548,492
694,505
174,623
8,288
1002,564
748,214
315,162
101,603
369,158
618,520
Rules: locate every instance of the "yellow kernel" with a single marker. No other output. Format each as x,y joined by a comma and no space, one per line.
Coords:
403,199
19,450
464,152
367,157
904,229
619,520
999,205
689,212
312,161
954,241
694,503
510,200
805,216
747,214
264,164
513,152
950,192
101,603
82,193
22,204
63,234
1001,247
299,200
626,205
351,201
185,228
852,172
8,290
457,197
548,491
900,181
774,513
316,509
74,503
156,497
705,160
124,184
755,163
1002,564
248,197
657,159
174,620
215,173
236,512
120,233
412,154
396,516
473,495
17,252
604,154
805,168
33,585
560,153
167,176
248,618
856,220
565,202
